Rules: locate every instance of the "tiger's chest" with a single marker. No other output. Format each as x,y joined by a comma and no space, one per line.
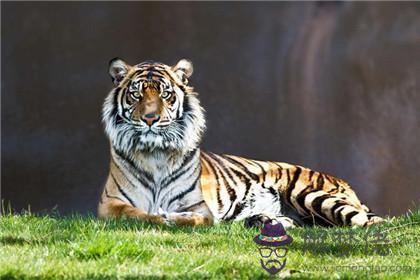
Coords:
158,193
155,185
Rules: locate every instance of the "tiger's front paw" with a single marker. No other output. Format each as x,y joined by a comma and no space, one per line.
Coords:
257,221
188,218
173,217
165,216
156,219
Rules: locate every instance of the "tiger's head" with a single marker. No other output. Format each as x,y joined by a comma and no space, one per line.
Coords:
152,107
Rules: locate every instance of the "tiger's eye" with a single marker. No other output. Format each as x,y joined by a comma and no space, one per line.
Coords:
136,94
165,94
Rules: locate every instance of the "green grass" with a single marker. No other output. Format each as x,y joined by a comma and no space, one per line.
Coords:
54,247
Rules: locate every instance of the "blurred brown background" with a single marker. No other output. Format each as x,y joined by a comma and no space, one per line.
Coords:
331,86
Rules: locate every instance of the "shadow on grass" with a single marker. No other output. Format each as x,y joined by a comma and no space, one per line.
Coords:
12,240
342,250
134,224
19,241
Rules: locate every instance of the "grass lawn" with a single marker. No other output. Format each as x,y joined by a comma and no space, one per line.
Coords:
54,247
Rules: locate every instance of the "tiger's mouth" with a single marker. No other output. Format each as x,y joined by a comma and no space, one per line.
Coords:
149,130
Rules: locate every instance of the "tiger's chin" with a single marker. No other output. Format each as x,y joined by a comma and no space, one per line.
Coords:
154,140
151,141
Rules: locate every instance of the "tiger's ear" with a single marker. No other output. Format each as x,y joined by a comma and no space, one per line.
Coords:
118,70
183,69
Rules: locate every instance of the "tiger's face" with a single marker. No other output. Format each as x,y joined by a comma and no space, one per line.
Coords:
152,107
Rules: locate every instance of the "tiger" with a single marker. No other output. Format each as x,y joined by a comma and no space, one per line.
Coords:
158,173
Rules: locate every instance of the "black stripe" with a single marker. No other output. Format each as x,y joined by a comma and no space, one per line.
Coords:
156,73
111,196
117,117
226,169
180,171
292,183
238,209
231,192
218,165
263,177
242,167
185,192
311,173
186,107
279,175
349,216
338,217
241,173
278,165
244,180
273,192
317,205
337,205
300,197
337,184
320,182
122,192
144,173
185,209
143,182
333,181
187,115
150,74
132,165
219,201
227,212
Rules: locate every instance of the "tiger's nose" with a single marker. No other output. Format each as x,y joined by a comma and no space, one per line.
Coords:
150,118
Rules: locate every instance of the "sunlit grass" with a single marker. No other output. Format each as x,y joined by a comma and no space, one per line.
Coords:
76,247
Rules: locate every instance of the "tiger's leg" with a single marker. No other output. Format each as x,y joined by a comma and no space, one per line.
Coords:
335,209
324,199
260,219
116,208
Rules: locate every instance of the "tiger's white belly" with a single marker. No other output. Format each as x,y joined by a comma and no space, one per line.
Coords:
259,201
